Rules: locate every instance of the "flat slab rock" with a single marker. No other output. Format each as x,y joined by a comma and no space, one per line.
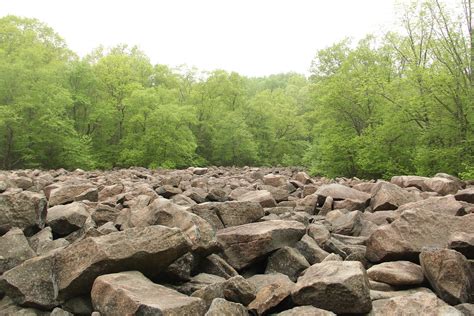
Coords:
338,286
397,273
131,293
146,249
341,192
420,303
242,245
405,237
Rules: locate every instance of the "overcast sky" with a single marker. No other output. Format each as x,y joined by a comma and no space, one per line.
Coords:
252,37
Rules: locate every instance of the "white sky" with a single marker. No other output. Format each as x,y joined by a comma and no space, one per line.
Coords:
252,37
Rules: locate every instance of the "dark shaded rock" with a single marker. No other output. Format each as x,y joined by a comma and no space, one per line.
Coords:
213,264
466,195
310,249
463,243
288,261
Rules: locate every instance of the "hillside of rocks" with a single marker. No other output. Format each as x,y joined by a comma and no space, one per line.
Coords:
234,241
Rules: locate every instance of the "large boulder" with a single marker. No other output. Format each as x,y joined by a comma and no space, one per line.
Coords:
341,192
442,186
288,261
243,245
271,295
274,180
227,214
131,293
397,273
420,303
67,193
146,249
388,196
338,286
32,283
165,213
263,197
447,205
404,238
463,243
349,223
22,209
449,274
64,219
410,181
14,249
220,306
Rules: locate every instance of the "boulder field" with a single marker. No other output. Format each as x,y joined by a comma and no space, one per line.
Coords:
234,241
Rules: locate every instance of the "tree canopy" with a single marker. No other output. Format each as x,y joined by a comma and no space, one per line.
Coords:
399,103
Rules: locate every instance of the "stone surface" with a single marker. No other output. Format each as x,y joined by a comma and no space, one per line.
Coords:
243,245
415,304
288,261
446,205
341,192
67,193
449,274
463,243
306,311
466,195
227,214
340,287
397,273
22,209
31,283
405,237
133,249
220,307
263,197
310,249
387,196
163,212
64,219
271,295
349,223
442,186
14,249
214,264
131,293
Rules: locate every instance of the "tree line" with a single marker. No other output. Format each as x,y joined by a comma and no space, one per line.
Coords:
401,103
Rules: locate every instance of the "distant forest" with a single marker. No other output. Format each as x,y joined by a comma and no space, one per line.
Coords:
401,103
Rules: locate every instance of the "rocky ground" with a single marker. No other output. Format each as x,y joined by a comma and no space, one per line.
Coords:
228,241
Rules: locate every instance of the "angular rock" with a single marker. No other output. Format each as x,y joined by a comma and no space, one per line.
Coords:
198,282
340,192
397,273
262,280
340,287
200,171
306,311
163,212
302,177
131,293
270,296
405,237
14,249
463,243
133,249
64,219
466,195
442,186
67,193
243,245
319,233
22,209
167,191
217,195
410,181
274,180
104,213
420,303
387,196
213,264
180,270
239,290
310,249
227,214
31,283
466,309
439,204
263,197
8,307
449,274
345,223
288,261
221,307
